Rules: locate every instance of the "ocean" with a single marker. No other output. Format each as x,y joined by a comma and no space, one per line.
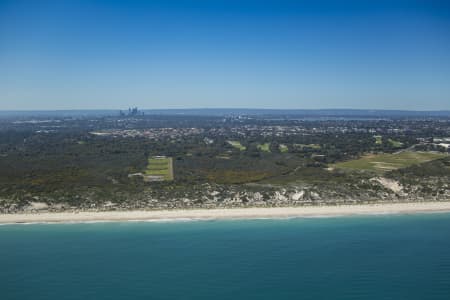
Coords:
370,257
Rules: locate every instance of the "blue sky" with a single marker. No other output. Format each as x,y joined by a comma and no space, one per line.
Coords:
255,54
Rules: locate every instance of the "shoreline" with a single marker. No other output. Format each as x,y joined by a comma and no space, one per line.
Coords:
227,213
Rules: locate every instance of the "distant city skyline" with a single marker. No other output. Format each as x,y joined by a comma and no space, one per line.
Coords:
58,55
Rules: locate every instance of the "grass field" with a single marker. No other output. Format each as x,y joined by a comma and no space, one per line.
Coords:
237,145
395,143
264,147
378,139
160,167
283,148
302,146
386,162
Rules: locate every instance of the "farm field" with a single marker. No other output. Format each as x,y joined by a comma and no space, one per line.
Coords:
386,162
160,166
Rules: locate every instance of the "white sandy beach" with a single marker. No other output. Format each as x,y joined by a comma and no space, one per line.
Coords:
232,213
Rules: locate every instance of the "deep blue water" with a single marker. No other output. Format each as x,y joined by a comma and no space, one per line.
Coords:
379,257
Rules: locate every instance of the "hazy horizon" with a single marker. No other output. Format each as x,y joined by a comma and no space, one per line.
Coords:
65,55
251,110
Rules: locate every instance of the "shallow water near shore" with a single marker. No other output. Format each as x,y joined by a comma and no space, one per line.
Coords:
369,257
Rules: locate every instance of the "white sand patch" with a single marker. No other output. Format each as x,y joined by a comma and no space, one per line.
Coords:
390,184
37,206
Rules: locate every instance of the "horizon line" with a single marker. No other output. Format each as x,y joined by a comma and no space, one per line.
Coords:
224,108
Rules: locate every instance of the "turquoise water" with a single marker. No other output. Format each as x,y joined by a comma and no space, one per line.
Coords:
379,257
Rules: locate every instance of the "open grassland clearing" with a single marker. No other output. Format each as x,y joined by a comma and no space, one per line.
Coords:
386,162
306,146
395,144
160,166
378,139
237,145
283,148
264,147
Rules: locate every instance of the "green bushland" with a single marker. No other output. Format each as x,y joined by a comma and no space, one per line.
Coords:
235,176
386,162
439,168
72,165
